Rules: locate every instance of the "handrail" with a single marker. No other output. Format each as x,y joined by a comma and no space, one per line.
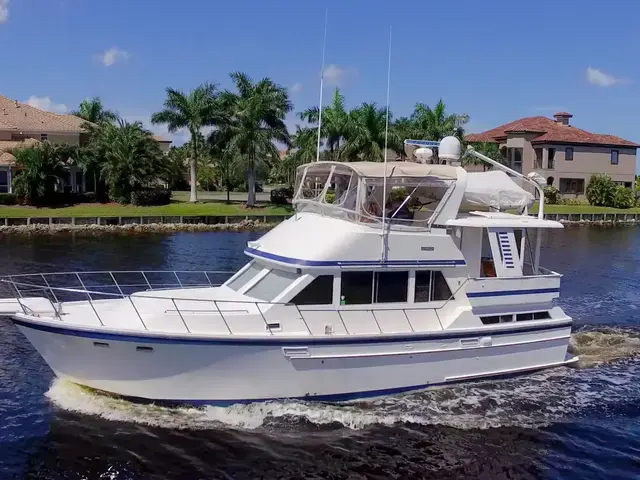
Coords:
218,309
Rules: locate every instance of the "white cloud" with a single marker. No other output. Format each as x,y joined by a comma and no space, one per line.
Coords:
296,87
601,79
4,10
336,75
45,103
111,56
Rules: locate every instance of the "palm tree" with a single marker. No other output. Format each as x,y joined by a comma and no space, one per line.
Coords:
335,123
303,150
366,138
436,123
254,120
41,169
93,111
132,159
192,111
403,128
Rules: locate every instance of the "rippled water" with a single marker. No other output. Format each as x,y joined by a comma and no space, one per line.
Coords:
578,423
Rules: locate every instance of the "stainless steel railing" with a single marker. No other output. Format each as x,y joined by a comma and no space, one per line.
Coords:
94,287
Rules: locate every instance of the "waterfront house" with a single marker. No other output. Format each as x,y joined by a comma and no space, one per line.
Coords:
566,156
23,125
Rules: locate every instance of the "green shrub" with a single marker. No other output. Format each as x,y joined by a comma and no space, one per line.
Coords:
551,195
572,201
330,198
601,191
8,199
624,197
281,196
151,197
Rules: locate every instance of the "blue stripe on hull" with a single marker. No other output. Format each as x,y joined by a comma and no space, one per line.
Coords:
505,293
351,263
279,341
331,398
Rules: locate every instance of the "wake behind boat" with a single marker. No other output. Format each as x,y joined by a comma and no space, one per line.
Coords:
384,281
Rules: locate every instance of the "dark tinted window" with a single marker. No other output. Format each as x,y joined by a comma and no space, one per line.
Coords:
318,292
391,287
490,320
423,286
568,153
440,289
357,287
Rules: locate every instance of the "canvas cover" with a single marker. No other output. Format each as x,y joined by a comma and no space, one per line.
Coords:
495,189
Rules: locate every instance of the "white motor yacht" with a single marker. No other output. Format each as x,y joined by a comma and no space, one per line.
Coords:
390,277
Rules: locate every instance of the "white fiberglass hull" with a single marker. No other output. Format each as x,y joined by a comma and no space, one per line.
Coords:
226,371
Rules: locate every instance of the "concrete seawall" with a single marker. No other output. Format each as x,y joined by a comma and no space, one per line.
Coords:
150,224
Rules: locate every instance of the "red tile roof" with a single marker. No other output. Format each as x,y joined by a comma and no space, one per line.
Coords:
550,132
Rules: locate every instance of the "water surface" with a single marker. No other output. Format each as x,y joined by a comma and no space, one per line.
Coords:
563,423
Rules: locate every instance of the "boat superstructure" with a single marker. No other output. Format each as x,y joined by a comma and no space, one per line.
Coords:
358,294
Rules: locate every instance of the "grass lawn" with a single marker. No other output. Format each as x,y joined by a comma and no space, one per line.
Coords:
117,210
583,209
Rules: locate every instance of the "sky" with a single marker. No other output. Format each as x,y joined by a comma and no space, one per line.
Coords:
494,60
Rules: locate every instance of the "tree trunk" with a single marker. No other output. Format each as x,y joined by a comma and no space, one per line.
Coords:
251,181
193,167
228,181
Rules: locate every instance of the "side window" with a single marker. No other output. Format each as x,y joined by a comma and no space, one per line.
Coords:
423,285
374,287
431,286
356,287
271,285
440,288
391,287
318,292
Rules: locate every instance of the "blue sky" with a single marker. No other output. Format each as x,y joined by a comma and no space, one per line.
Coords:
496,60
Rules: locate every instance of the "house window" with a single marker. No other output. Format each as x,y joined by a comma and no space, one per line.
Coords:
572,186
538,158
374,287
43,137
568,153
4,181
614,157
551,159
318,292
431,286
515,158
628,184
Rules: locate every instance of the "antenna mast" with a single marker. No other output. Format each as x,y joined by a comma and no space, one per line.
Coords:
386,141
324,47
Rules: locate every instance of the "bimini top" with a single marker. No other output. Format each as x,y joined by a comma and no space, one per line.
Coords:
394,169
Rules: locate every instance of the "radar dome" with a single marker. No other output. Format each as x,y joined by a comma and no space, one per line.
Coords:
423,154
450,149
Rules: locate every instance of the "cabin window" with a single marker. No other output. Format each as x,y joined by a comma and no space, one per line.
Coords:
374,287
391,287
491,319
356,287
272,285
522,317
318,292
243,278
431,286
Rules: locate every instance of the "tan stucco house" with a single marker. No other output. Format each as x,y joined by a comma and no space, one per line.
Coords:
565,155
24,125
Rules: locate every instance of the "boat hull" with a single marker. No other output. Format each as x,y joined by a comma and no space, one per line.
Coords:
227,371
